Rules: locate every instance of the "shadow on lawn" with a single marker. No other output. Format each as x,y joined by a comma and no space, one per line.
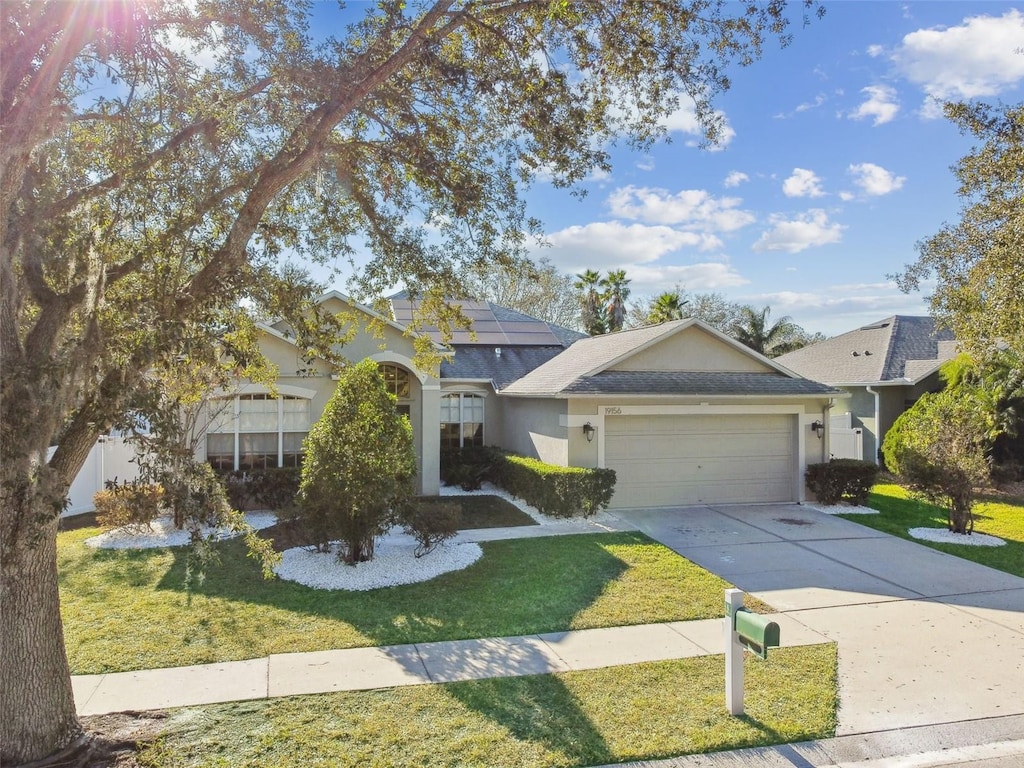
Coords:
538,708
535,585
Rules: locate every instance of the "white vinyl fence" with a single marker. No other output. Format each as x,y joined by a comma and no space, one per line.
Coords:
111,458
845,440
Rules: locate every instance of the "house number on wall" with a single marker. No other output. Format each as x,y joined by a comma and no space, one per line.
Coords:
613,411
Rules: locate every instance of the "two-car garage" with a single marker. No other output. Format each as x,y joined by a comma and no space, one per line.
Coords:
673,460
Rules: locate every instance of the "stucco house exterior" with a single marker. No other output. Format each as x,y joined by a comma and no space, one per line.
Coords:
683,413
885,367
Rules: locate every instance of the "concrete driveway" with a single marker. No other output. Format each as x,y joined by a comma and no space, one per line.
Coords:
924,637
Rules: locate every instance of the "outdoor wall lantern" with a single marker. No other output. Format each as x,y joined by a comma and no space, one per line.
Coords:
818,428
588,431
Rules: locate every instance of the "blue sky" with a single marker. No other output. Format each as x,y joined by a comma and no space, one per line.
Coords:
836,162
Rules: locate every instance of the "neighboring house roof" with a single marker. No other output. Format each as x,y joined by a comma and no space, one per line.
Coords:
901,349
581,369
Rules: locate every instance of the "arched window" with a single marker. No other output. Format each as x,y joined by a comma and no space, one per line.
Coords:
257,431
398,382
462,420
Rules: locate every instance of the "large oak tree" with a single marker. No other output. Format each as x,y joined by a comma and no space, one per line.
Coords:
978,261
158,158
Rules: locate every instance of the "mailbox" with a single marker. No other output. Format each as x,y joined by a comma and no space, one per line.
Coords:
755,632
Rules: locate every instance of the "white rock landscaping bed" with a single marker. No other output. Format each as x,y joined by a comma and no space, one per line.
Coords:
162,533
488,489
393,564
946,536
842,509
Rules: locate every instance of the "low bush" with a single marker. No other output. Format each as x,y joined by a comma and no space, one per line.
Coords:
128,504
469,467
556,491
273,488
431,523
839,480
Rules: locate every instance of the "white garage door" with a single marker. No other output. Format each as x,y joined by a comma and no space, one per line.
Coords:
669,461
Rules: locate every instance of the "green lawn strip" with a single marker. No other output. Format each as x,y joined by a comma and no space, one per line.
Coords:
634,712
485,511
126,610
995,516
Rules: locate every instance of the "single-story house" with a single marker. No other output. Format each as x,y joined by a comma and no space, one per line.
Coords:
885,367
683,413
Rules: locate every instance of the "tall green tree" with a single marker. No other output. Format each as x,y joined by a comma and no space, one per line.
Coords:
666,306
752,329
939,448
359,466
158,158
616,291
977,262
592,314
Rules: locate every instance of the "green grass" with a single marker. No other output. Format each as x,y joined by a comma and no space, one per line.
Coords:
126,610
485,511
635,712
1000,517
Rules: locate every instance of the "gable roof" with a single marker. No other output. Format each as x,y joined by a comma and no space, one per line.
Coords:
901,349
582,369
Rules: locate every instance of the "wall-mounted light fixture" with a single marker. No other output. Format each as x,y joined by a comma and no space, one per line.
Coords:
588,431
818,428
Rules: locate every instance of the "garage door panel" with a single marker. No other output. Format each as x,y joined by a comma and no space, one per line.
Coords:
679,460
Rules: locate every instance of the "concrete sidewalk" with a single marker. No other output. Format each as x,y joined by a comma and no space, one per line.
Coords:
389,666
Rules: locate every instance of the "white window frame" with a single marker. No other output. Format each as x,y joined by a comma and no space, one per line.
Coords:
462,414
236,411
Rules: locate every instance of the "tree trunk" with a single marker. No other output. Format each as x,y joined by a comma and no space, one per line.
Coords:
37,706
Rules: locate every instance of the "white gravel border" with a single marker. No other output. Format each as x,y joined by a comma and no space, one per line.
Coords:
162,533
946,536
842,509
393,565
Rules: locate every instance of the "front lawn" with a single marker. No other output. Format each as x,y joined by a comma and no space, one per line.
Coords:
126,610
1002,517
634,712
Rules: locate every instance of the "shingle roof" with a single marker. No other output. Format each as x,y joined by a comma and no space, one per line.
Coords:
899,347
694,383
586,355
476,362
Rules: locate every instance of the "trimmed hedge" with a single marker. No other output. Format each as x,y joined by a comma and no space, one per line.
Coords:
556,491
273,488
838,480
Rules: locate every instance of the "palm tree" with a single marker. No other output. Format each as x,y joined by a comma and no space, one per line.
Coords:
592,313
751,329
667,306
616,291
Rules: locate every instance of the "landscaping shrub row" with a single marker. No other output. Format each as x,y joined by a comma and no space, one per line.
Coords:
556,491
272,488
838,480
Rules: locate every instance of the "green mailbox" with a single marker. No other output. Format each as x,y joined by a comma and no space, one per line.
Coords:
756,633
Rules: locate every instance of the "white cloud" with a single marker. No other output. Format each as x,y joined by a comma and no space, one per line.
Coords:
690,208
881,104
807,105
979,58
612,245
807,230
646,163
846,196
706,276
874,51
874,179
802,183
735,178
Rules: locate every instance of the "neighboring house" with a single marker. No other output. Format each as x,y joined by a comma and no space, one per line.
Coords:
684,414
885,366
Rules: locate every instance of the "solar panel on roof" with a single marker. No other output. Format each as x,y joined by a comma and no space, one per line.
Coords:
513,328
